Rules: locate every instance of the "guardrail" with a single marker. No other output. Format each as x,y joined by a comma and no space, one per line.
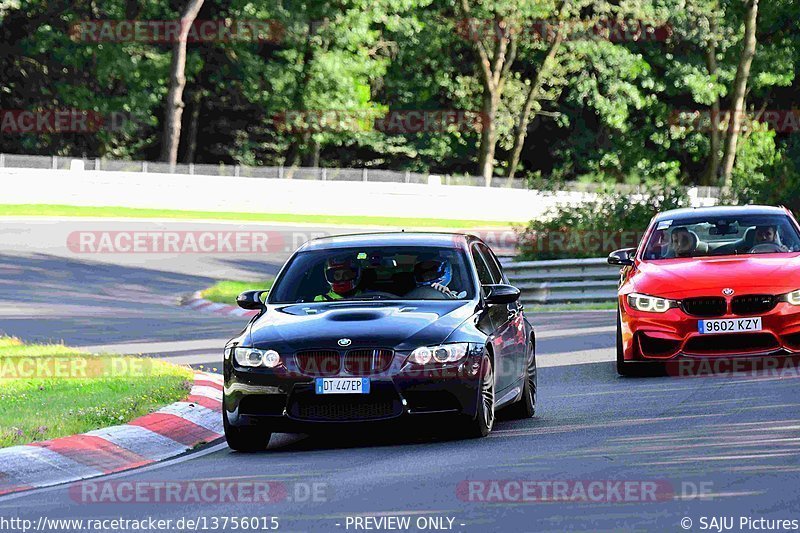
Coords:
564,280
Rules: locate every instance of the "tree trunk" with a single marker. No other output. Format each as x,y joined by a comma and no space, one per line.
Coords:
488,137
739,91
494,72
715,140
533,95
194,119
174,107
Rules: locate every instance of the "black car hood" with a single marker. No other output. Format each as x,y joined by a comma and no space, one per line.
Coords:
401,325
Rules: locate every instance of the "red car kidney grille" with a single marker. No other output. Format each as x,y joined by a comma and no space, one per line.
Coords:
705,307
753,304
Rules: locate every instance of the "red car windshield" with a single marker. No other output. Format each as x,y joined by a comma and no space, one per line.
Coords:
701,237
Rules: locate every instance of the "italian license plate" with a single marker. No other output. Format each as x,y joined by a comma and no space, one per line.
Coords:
734,325
341,385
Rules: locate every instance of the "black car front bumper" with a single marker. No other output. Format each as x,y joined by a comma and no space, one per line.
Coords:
286,401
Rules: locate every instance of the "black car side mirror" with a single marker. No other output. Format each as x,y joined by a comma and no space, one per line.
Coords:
501,294
622,257
251,300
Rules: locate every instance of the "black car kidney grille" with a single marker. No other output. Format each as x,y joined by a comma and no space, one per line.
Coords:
753,304
705,307
367,361
319,362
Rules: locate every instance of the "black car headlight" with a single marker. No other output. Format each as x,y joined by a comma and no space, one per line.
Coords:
252,357
650,304
444,353
793,297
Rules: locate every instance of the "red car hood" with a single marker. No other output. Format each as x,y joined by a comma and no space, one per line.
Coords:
707,276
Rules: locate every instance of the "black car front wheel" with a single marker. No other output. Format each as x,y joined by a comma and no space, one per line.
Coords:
481,425
247,438
525,407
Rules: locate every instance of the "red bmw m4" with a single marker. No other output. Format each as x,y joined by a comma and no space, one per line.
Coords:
710,282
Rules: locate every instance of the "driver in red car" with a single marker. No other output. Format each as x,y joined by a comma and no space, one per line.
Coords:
343,276
769,235
683,243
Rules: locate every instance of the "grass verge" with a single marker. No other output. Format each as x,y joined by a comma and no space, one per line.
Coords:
51,390
225,292
133,212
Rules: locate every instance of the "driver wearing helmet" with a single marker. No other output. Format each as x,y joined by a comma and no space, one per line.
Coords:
343,276
436,274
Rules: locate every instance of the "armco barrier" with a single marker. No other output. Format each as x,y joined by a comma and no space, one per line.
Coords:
564,280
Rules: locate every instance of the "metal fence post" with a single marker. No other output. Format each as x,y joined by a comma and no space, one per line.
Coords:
97,163
144,166
280,172
364,174
236,171
191,168
408,176
2,160
324,174
54,164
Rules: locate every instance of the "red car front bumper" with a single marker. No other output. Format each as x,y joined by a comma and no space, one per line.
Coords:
674,334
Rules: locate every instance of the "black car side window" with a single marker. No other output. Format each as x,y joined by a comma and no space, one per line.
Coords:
491,262
484,275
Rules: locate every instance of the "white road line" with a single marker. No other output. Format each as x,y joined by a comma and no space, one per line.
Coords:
574,332
603,355
209,345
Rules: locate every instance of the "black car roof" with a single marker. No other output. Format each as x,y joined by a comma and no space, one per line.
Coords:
445,240
719,211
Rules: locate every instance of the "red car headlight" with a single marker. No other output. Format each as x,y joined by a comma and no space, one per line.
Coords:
793,297
650,304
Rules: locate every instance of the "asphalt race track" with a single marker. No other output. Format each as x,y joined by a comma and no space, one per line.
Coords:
724,445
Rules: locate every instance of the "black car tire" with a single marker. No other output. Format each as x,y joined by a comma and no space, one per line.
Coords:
245,439
525,407
481,425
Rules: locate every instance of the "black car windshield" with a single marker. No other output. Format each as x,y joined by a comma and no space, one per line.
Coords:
375,273
715,236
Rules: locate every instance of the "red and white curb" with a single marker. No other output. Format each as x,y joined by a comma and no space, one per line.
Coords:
198,303
170,431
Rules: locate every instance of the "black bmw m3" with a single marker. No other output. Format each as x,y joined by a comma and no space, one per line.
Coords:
365,328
